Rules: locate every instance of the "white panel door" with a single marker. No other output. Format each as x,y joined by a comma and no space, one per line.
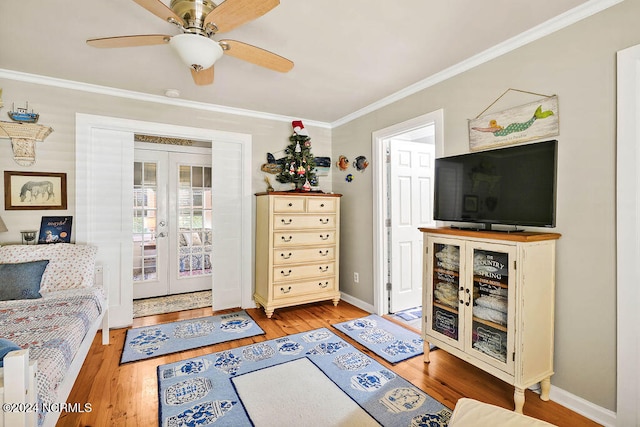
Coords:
411,201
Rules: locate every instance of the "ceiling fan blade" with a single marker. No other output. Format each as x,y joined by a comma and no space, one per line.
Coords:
256,55
233,13
160,10
130,41
202,77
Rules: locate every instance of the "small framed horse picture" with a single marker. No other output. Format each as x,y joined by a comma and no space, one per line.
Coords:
35,190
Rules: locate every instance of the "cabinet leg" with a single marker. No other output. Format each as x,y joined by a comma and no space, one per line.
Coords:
545,387
269,313
336,301
426,349
518,399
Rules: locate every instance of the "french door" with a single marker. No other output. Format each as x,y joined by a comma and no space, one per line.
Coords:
172,223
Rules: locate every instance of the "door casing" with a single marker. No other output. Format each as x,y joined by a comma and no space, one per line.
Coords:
231,155
378,150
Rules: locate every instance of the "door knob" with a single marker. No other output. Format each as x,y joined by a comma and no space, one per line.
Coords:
161,234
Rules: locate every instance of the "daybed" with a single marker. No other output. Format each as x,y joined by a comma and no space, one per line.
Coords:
51,306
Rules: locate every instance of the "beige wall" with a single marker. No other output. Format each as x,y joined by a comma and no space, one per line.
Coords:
579,65
58,106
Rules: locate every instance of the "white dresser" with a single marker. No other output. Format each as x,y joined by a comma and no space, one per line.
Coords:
297,249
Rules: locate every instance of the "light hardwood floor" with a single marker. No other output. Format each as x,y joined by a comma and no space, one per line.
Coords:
126,395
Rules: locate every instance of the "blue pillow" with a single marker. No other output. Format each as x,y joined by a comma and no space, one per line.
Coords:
21,280
5,347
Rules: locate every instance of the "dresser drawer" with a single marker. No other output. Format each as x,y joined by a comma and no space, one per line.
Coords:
321,204
288,204
284,222
296,256
303,288
295,238
292,272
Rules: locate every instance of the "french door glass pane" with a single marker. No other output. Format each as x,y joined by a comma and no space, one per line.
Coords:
185,176
194,221
144,221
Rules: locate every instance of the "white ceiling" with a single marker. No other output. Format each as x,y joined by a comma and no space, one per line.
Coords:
348,54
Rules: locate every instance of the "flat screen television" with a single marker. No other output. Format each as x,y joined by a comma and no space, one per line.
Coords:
513,186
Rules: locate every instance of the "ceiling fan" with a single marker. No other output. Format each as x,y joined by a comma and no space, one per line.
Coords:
199,21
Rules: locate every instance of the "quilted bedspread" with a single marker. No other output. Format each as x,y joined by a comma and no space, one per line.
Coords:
53,328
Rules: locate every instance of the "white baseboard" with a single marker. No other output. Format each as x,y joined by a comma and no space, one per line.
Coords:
358,303
577,404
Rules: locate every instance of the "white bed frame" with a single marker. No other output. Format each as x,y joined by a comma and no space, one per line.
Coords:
18,388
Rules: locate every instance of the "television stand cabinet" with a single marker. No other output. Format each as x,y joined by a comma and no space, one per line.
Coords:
489,300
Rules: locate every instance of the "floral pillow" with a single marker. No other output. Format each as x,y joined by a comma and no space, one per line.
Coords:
70,266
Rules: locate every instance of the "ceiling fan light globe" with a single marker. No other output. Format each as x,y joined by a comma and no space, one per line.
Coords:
196,50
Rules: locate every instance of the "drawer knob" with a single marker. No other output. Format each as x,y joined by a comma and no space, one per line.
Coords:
284,256
322,205
290,204
285,239
323,285
285,291
285,274
287,222
324,221
324,237
325,253
324,269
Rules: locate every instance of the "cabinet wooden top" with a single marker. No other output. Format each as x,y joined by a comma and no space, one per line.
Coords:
520,236
295,193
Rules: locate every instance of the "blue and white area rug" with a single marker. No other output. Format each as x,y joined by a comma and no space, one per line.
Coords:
158,340
311,378
410,314
386,339
411,317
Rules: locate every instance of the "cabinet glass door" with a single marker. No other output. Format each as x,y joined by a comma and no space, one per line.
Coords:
445,283
490,320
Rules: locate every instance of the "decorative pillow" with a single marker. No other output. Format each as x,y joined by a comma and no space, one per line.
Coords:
21,280
70,266
6,347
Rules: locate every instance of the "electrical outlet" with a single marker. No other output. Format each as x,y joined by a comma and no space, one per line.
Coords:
356,278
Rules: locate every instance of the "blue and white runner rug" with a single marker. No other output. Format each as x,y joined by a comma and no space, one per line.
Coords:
306,379
151,341
388,340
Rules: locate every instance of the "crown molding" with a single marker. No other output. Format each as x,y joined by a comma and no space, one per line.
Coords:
140,96
552,25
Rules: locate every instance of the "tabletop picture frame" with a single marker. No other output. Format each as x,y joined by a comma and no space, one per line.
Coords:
35,190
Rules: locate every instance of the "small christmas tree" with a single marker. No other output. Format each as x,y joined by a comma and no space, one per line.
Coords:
298,165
